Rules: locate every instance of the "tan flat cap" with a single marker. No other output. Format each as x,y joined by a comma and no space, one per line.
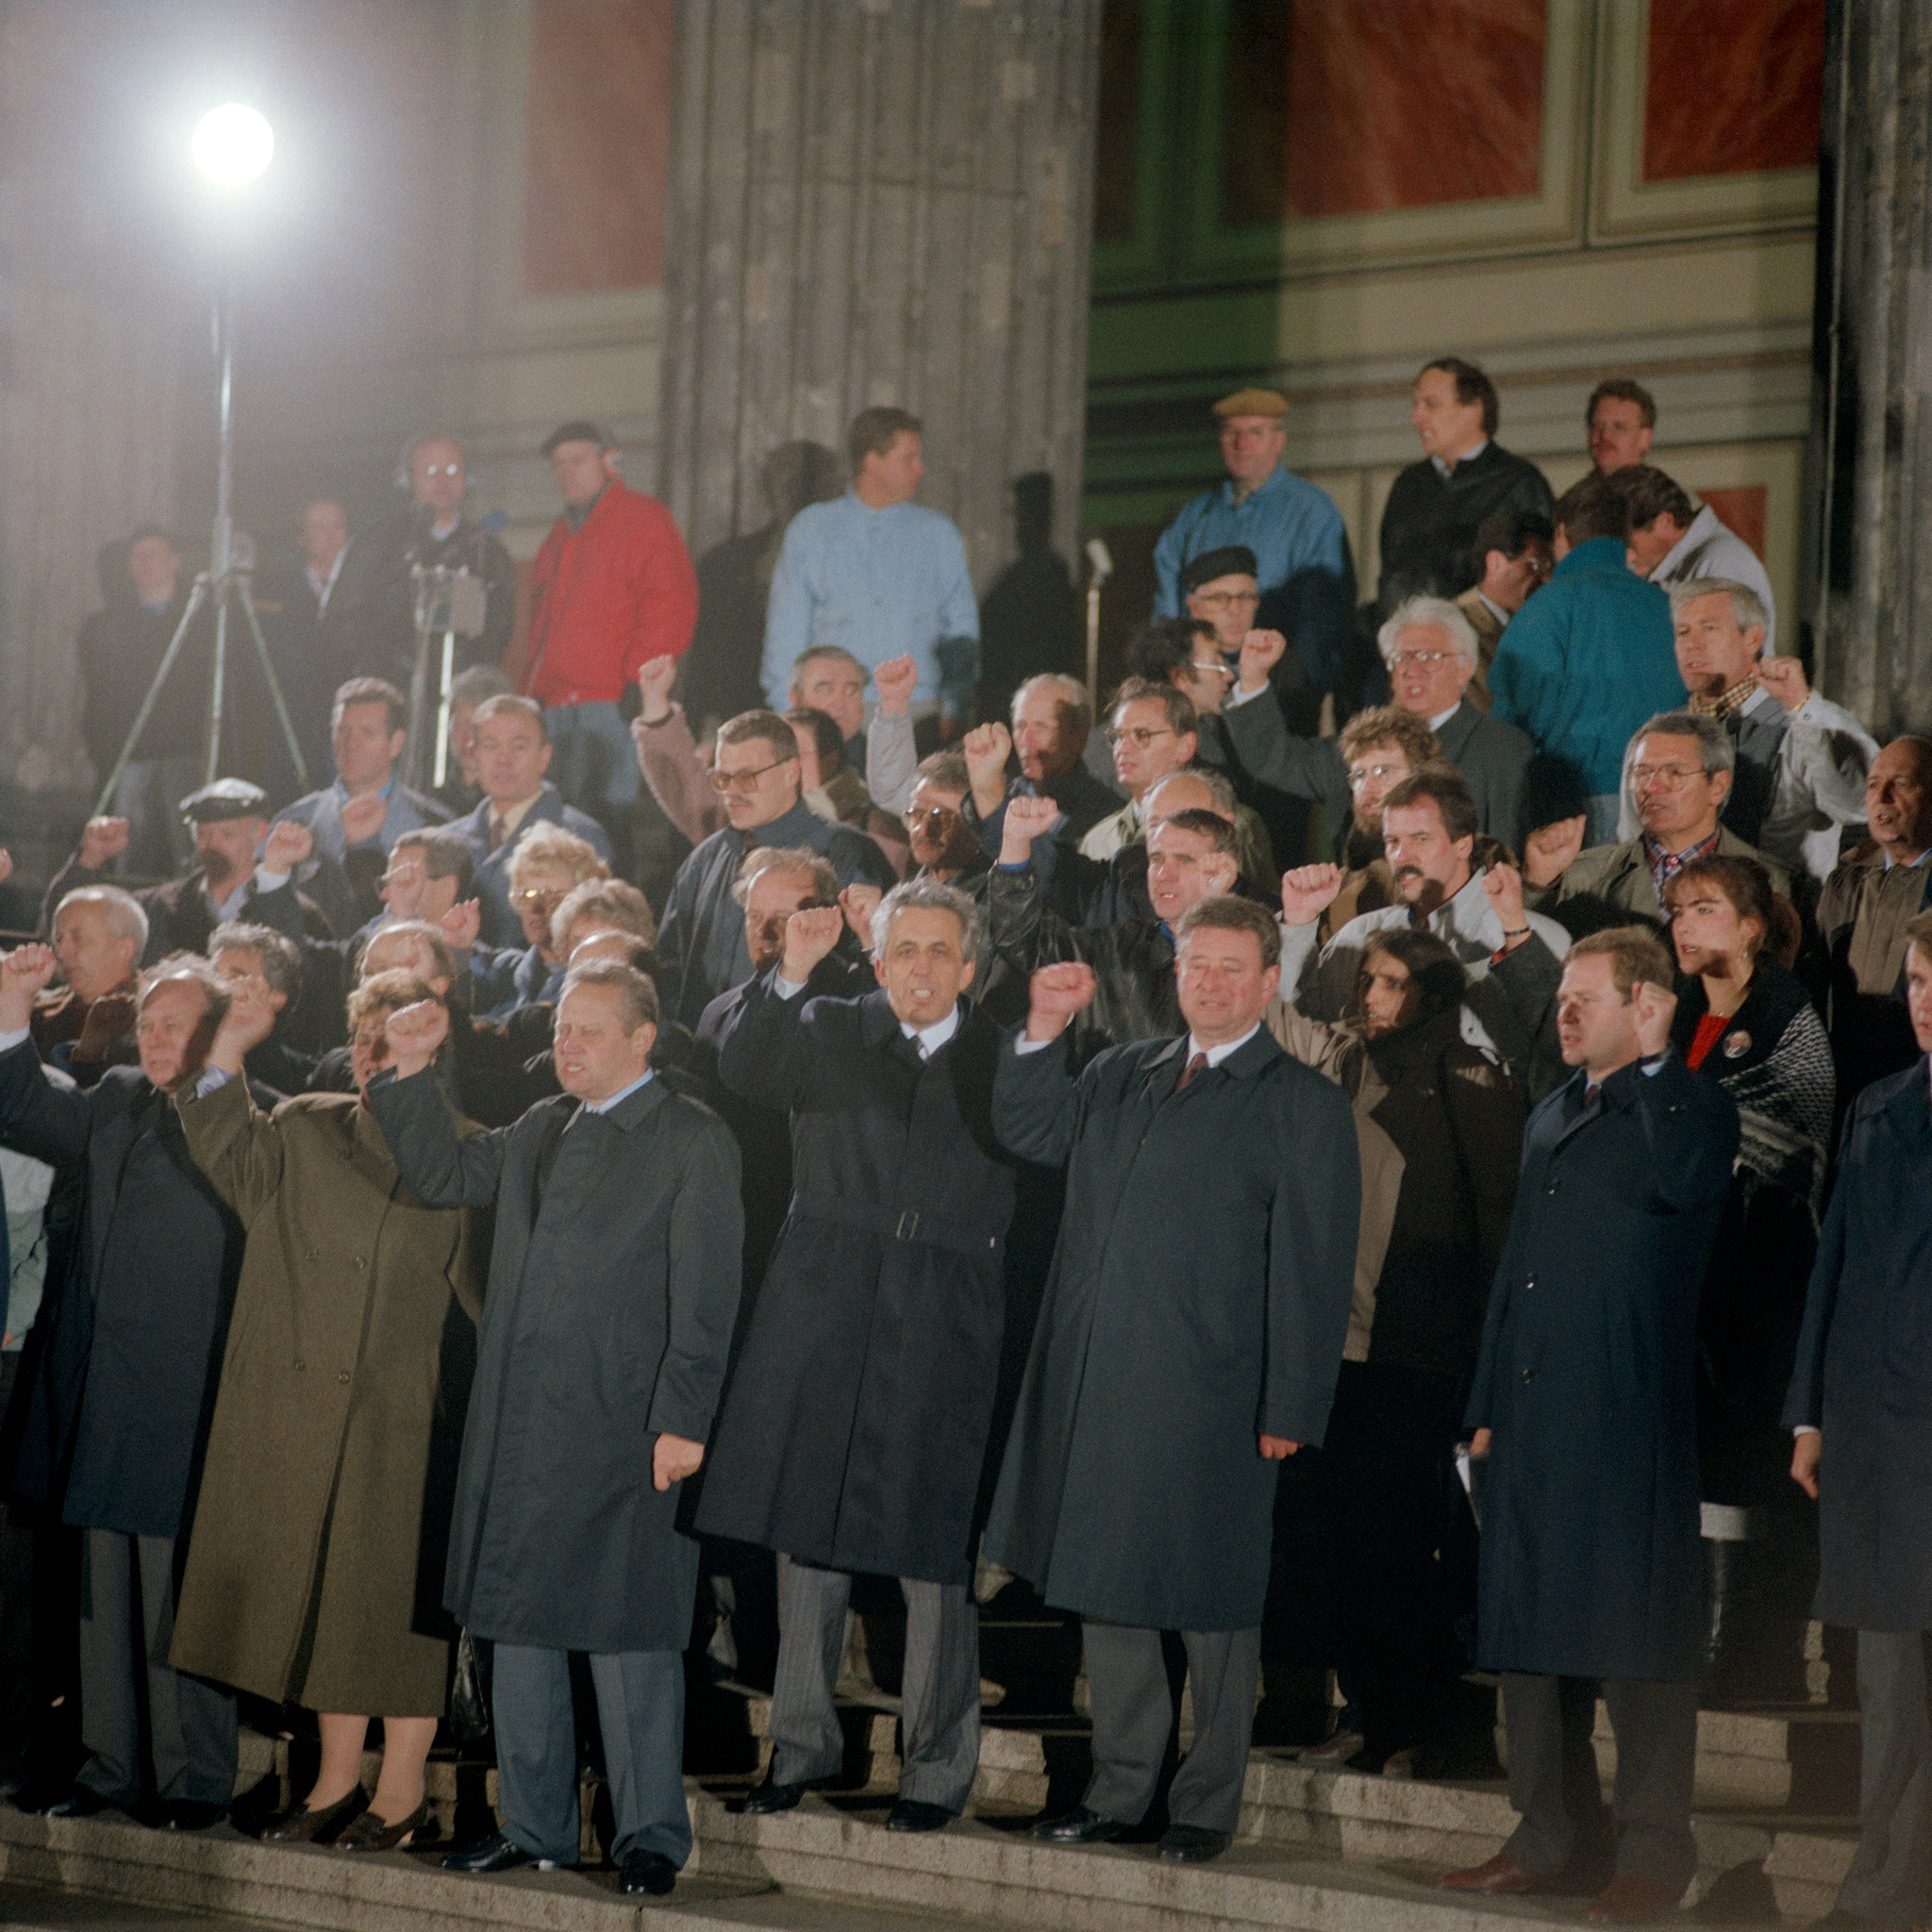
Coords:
1253,402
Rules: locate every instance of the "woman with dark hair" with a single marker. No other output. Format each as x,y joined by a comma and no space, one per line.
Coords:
1744,1020
314,1572
1373,1535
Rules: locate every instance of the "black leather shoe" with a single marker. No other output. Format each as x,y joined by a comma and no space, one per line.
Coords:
499,1854
768,1797
1193,1844
77,1803
911,1814
1081,1826
184,1814
649,1872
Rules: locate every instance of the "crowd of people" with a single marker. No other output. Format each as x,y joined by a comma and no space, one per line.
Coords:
1474,1233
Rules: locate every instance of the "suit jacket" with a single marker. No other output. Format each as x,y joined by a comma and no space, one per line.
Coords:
612,1289
1429,525
501,927
1199,1298
1612,885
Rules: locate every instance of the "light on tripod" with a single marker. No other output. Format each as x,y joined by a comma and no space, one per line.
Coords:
233,144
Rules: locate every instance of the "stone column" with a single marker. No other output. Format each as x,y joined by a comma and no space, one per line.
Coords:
1869,553
879,201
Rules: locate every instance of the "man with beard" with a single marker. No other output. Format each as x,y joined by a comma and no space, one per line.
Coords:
116,1421
1429,833
1365,1527
229,820
852,1438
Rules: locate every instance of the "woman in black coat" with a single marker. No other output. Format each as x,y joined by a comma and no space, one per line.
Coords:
1746,1021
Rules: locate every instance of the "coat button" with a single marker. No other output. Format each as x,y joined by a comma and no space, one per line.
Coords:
1551,1188
1531,1282
343,1375
1529,1374
361,1262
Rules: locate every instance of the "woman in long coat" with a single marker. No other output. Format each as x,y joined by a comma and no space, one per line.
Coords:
314,1574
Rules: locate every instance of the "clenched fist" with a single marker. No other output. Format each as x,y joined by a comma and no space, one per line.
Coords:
1055,994
858,902
102,839
1261,651
289,845
1026,820
363,818
415,1036
1307,891
809,935
896,681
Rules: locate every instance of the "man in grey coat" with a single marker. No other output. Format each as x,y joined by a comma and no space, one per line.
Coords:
1190,1340
613,1286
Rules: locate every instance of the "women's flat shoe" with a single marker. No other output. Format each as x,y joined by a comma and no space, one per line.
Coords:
371,1832
300,1826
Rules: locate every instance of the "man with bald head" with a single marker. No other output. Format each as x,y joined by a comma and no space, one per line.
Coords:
1304,576
100,933
1875,894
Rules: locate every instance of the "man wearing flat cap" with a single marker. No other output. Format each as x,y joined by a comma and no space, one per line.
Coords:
229,821
1304,576
613,586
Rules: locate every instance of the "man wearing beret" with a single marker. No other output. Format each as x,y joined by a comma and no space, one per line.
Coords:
1304,578
613,586
229,821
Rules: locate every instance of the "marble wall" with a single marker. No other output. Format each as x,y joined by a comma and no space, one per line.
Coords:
1731,87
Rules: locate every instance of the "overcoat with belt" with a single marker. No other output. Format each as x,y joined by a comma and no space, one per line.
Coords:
1864,1365
857,1422
1199,1298
1591,1563
315,1571
613,1285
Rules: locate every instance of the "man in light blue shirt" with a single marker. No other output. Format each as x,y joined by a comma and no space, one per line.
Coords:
879,575
1306,576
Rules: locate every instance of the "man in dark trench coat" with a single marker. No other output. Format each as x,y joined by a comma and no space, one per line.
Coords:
613,1286
1584,1401
1189,1340
1860,1399
854,1433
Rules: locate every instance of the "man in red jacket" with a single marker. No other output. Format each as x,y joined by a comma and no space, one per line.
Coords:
612,586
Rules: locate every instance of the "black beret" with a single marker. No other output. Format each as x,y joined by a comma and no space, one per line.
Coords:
1235,560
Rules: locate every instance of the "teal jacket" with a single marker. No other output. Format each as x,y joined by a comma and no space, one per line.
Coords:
1586,661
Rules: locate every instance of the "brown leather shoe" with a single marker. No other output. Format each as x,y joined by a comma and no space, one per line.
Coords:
1501,1873
1630,1899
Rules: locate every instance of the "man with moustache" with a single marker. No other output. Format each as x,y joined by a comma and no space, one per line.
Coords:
1621,420
852,1436
1584,1403
116,1420
613,1284
1475,907
1178,1357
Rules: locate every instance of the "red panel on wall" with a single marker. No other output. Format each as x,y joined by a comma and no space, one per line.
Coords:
596,146
1356,106
1741,510
1731,87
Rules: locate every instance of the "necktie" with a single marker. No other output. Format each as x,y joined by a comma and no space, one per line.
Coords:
1197,1065
495,831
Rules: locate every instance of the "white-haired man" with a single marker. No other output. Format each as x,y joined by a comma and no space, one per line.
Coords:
1431,651
1802,761
100,933
852,1438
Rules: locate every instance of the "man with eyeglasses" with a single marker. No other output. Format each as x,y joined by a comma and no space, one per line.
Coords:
701,941
1290,531
1680,770
1431,653
1155,731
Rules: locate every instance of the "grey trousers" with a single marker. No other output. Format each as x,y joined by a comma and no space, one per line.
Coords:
1656,1765
1133,1717
940,1716
1891,1878
191,1723
641,1713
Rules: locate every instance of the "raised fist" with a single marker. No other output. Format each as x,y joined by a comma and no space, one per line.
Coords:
289,845
1504,885
102,839
5,865
1549,850
462,923
404,882
108,1018
987,747
896,681
655,676
809,935
1784,678
858,902
1307,891
1655,1007
1055,994
1260,653
22,973
249,1021
1026,820
363,818
415,1035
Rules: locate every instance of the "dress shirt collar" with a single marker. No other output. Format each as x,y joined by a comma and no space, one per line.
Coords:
1911,864
617,1098
323,586
1665,866
1494,608
1217,1054
1727,703
931,1038
503,822
1446,468
1436,722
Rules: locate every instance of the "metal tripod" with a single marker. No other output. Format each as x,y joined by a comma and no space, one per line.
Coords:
224,583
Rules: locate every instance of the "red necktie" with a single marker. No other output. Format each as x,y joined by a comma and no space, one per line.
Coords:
1197,1065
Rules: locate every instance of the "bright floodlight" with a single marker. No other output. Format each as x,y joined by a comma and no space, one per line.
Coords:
233,144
